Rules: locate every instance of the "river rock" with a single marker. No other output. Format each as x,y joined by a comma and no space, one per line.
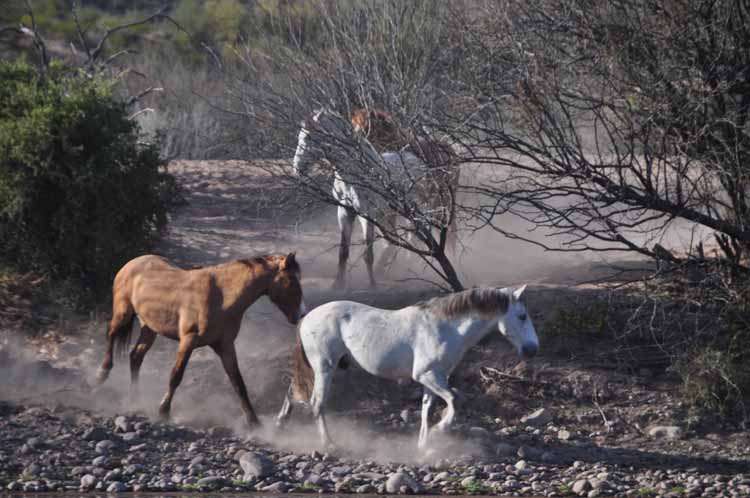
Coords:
665,431
256,465
399,479
538,418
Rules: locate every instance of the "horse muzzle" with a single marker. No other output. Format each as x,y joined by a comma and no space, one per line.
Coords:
529,350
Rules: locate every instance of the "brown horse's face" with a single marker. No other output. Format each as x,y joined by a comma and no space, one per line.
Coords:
286,291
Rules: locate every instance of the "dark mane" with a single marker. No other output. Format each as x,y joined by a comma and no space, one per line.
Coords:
483,301
265,260
258,260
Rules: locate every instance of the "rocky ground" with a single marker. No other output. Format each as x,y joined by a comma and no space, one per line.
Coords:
64,449
570,422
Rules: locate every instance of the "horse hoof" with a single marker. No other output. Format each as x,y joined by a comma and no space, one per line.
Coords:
101,375
164,414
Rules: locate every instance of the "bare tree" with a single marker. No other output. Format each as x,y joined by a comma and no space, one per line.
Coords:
376,53
608,122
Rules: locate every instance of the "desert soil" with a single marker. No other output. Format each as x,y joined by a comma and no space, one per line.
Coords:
558,425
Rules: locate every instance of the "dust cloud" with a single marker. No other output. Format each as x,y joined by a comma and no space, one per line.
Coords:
215,227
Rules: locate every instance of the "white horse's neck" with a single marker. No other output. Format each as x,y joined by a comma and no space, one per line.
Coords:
472,329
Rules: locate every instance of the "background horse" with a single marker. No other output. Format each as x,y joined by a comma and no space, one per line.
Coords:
199,307
423,342
379,127
357,167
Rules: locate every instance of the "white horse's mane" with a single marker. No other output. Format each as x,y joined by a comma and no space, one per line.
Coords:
482,301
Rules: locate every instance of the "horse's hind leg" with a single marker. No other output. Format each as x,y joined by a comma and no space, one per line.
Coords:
122,318
228,356
144,343
346,220
187,344
323,378
388,256
368,229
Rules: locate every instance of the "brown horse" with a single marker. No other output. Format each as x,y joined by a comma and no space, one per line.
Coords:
379,127
198,307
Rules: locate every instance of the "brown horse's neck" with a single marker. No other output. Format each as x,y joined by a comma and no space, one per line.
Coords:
248,280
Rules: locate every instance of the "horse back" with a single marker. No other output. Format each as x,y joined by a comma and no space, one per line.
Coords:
380,341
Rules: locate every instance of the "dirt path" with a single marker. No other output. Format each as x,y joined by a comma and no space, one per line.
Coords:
592,437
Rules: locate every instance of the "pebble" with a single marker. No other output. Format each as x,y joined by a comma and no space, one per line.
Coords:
88,481
665,431
538,418
400,479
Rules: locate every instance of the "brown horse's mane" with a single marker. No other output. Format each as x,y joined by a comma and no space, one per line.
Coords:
482,301
265,259
252,262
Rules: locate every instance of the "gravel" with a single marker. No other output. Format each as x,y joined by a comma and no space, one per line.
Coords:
61,450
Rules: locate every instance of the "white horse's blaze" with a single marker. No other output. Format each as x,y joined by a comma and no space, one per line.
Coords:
424,342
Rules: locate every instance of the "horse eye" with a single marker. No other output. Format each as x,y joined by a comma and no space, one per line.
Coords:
522,317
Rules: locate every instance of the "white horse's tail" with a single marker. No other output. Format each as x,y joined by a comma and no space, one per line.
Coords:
304,376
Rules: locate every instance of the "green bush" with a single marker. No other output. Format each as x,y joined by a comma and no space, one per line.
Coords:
716,378
79,195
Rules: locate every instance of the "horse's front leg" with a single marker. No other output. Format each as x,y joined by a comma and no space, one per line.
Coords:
185,349
346,221
438,384
427,399
228,355
286,409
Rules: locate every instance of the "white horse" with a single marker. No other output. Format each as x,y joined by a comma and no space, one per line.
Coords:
362,179
424,342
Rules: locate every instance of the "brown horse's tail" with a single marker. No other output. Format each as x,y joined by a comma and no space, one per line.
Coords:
304,376
123,336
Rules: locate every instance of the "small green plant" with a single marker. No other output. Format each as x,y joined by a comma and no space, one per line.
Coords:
309,487
189,487
680,490
564,489
239,483
477,487
644,492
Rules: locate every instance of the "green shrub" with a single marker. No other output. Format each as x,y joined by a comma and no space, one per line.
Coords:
716,378
79,195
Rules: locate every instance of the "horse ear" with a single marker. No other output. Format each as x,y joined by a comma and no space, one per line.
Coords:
519,292
290,261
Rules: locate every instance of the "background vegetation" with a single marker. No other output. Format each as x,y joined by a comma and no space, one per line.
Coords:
79,194
607,124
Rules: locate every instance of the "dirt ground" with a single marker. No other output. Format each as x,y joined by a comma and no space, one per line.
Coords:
599,413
